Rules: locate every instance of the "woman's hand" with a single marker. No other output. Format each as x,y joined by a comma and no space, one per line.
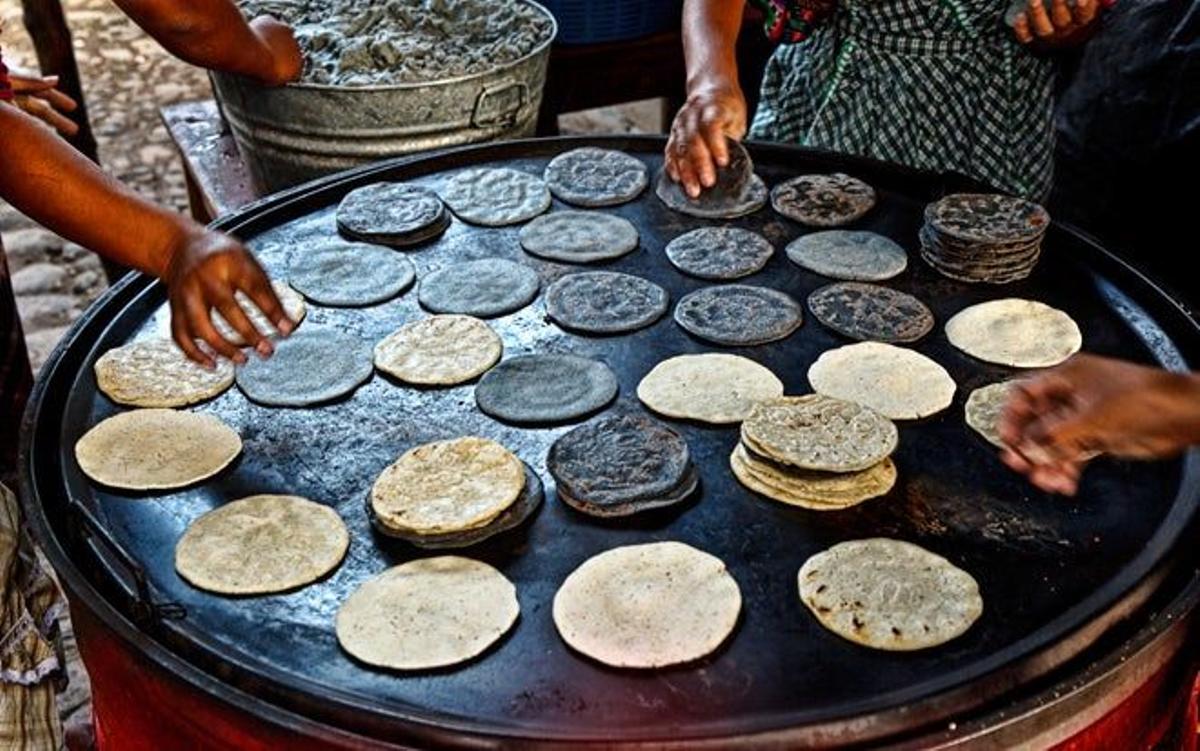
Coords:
39,97
1053,24
205,272
696,146
1056,422
283,60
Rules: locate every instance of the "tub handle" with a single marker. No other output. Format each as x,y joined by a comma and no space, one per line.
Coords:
145,608
498,105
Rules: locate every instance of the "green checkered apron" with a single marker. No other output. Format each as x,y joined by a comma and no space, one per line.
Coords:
932,84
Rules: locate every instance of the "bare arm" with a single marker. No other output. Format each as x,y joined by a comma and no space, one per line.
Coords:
715,106
53,184
1057,420
213,34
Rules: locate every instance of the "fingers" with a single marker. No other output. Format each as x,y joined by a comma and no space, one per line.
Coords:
58,100
42,110
258,288
182,335
1060,15
237,319
714,138
1061,478
1085,11
669,161
702,164
1039,20
1021,28
200,321
685,173
22,84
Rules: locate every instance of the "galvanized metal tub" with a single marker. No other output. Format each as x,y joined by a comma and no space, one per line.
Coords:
301,131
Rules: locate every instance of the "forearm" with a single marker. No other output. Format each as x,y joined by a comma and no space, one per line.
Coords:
212,34
710,31
53,184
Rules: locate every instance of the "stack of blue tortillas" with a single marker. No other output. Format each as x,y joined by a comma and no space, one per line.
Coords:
392,214
983,237
737,191
622,463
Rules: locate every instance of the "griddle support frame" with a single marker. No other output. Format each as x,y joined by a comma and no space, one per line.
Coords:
145,609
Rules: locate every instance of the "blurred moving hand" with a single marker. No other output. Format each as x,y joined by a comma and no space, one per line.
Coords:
1056,422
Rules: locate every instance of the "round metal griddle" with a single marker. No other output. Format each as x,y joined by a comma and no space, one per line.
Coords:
1054,572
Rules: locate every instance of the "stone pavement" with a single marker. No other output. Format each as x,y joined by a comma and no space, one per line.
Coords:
126,78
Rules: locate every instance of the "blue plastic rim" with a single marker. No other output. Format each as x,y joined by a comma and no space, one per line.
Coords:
595,21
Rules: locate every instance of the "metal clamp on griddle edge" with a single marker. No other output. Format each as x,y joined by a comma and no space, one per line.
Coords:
145,610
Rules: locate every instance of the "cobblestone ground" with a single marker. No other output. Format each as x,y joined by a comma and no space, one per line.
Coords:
126,78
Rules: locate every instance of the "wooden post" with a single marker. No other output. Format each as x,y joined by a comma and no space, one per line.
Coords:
47,28
52,39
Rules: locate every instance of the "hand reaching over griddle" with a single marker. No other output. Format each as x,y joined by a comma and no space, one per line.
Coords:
1056,422
696,147
205,272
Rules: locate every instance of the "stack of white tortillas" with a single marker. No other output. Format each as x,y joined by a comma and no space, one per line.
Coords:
899,383
889,594
427,613
447,486
648,606
262,544
156,373
714,388
441,350
1015,332
156,449
816,452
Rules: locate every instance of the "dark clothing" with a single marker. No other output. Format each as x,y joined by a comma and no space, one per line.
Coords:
16,379
1129,137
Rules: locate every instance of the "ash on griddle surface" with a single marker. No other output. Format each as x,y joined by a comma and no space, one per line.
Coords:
379,42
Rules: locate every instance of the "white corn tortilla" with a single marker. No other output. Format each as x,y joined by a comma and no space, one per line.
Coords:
448,486
441,350
427,613
261,544
156,373
889,594
714,388
899,383
648,606
156,449
1015,332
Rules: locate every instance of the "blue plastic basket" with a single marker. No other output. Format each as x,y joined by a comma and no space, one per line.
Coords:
594,21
